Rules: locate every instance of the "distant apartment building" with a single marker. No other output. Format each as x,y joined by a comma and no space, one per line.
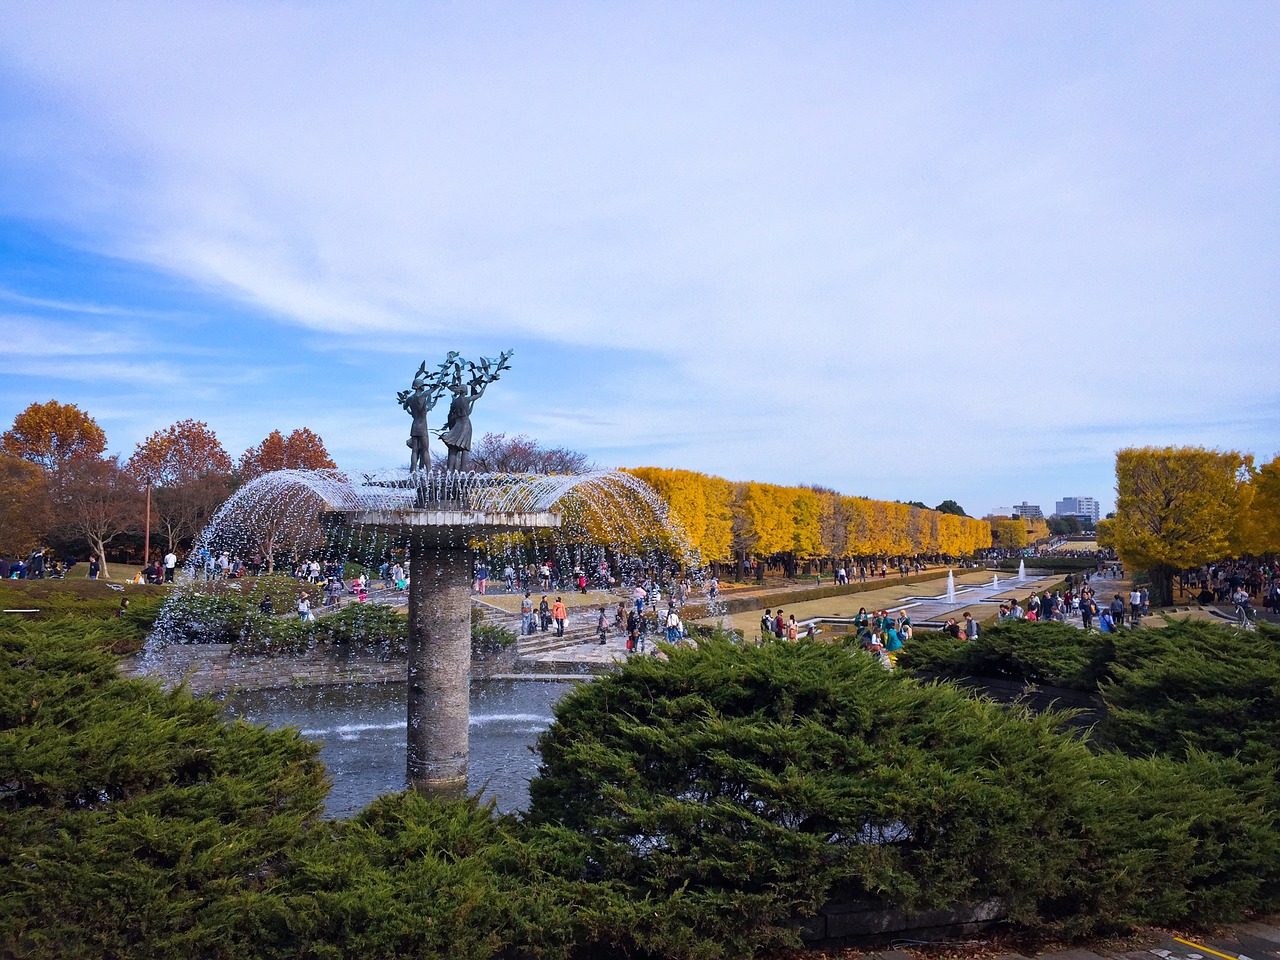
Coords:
1028,511
1082,507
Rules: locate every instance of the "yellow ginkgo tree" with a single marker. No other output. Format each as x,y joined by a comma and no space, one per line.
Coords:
1178,507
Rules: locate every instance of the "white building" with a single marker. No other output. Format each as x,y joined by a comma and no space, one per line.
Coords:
1028,511
1078,507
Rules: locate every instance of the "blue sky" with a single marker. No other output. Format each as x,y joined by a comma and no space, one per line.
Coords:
905,250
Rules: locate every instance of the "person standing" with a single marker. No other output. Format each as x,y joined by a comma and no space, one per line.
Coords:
638,595
526,614
766,624
970,626
673,625
544,614
170,565
559,614
94,567
1088,610
1135,606
482,577
602,625
633,631
1117,611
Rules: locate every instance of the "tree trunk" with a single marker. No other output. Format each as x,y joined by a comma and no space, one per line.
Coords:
1161,586
96,542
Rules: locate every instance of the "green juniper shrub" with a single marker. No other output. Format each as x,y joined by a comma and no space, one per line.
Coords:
1051,653
128,813
91,600
413,877
738,785
1196,685
1170,842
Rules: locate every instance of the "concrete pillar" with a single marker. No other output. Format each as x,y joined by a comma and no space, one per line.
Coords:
439,666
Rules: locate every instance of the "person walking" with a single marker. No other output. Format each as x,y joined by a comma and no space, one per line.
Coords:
602,625
970,626
559,614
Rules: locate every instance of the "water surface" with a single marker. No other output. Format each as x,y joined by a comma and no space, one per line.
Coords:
361,730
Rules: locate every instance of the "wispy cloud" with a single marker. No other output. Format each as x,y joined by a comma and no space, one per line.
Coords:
836,242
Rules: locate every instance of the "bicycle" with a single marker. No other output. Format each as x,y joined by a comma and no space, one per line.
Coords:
1245,616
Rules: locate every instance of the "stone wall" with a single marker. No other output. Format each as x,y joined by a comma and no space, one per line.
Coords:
217,667
859,923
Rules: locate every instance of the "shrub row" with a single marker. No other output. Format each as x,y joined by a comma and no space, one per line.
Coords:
223,612
688,808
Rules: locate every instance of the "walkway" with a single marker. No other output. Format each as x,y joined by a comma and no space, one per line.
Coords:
1240,941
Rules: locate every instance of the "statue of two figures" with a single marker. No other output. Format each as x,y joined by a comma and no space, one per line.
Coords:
467,381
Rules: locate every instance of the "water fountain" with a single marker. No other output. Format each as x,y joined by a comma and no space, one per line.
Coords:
1022,571
951,587
439,518
995,582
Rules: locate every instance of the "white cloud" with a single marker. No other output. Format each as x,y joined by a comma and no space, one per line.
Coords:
951,232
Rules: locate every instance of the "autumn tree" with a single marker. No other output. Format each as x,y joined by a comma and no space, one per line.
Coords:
498,453
189,470
1178,507
96,501
50,434
24,505
1261,533
1009,533
301,450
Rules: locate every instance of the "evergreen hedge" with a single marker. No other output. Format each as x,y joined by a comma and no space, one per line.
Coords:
690,808
130,817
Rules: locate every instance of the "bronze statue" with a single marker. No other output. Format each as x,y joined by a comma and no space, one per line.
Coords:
426,391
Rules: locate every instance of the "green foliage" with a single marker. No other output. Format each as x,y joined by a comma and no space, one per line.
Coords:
1052,653
1171,842
735,786
130,816
1195,685
93,602
412,877
689,808
1190,685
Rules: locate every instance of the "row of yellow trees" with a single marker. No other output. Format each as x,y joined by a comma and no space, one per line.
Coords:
725,520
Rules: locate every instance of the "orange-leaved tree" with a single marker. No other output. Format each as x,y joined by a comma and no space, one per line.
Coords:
301,450
24,505
189,471
50,434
